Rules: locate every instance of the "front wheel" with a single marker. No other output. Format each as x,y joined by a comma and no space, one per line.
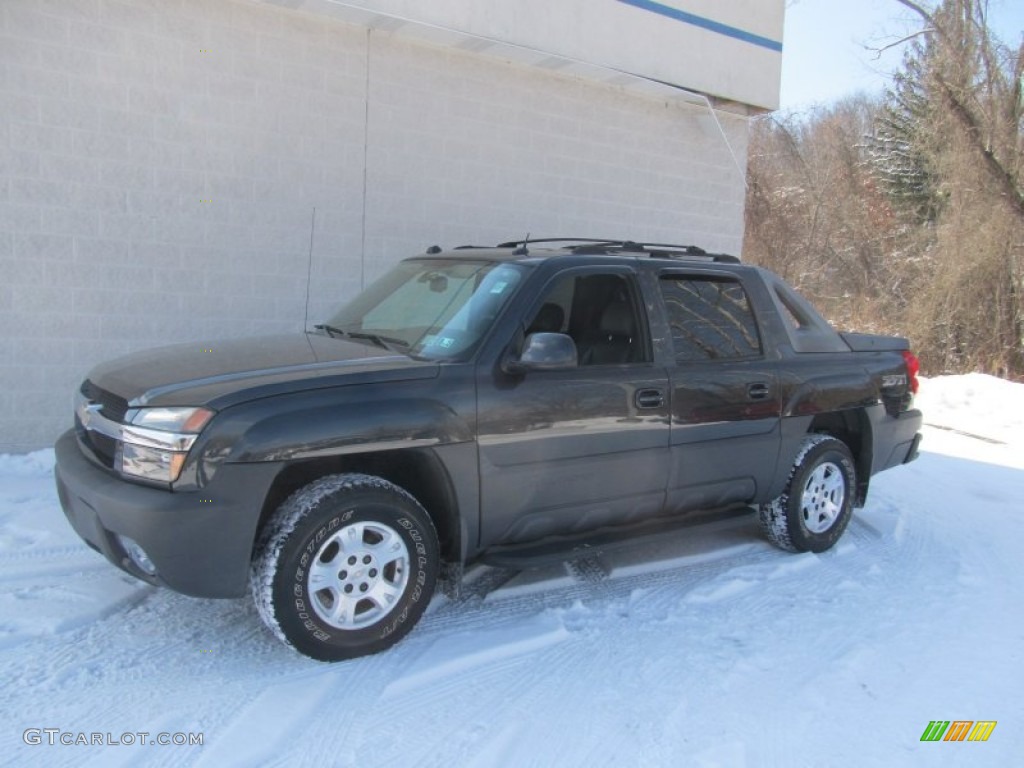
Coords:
346,567
813,511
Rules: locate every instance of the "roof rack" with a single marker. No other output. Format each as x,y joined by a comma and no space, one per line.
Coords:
654,250
532,240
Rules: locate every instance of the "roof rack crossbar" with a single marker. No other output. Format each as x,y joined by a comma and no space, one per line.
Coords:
633,247
532,240
590,245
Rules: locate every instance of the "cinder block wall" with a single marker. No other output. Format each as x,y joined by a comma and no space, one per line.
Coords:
160,163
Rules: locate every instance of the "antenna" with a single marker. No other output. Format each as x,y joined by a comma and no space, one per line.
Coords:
522,250
309,270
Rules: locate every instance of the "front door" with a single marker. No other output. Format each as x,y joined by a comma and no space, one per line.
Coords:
568,451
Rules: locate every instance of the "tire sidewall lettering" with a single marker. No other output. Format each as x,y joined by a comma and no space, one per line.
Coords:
308,620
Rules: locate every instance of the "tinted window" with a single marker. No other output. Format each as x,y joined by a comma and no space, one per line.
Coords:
711,319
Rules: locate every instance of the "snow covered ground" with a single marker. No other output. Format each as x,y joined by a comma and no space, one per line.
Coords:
710,650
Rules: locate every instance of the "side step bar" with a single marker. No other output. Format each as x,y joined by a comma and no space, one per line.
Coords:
560,549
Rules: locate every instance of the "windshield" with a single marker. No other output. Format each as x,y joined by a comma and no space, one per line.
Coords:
433,308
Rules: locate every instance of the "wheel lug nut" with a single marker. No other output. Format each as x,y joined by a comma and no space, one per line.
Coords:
348,589
352,560
366,559
363,587
343,575
373,573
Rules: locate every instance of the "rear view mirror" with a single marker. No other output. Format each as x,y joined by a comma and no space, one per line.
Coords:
438,283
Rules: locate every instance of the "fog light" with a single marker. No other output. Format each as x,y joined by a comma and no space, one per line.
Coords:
137,555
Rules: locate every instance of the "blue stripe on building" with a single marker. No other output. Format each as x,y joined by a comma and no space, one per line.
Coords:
705,23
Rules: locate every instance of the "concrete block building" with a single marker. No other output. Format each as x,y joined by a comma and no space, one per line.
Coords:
171,170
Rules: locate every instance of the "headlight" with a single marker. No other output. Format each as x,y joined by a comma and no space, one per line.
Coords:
152,463
156,441
190,420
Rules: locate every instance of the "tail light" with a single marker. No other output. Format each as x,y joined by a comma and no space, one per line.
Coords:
913,367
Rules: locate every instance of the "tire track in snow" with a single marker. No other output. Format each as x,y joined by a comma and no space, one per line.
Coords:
423,668
280,715
450,658
433,684
459,688
466,708
119,655
83,569
42,553
49,610
467,740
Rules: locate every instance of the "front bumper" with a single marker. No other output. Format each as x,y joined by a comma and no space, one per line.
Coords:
200,542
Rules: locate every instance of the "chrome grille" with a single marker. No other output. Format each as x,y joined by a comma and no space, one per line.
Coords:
102,447
113,407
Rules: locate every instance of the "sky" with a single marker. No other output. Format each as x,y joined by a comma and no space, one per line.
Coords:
824,54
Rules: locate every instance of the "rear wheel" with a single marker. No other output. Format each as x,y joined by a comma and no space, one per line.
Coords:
813,511
346,567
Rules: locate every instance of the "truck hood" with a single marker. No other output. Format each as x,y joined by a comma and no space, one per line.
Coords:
222,373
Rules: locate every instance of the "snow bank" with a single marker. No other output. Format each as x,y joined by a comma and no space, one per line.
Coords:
35,464
974,403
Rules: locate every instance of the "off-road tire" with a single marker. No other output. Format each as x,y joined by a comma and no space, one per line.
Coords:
345,567
813,511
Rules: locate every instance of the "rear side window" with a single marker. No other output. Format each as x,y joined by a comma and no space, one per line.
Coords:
710,319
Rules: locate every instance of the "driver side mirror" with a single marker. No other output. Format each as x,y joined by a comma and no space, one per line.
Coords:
543,352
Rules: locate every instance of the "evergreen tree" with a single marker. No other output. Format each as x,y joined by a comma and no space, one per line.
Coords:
898,148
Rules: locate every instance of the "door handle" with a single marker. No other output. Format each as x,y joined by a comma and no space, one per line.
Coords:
649,398
758,390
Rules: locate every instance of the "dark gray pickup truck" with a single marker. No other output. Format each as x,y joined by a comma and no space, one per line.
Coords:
505,405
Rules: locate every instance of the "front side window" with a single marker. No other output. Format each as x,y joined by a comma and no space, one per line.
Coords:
599,312
711,318
432,308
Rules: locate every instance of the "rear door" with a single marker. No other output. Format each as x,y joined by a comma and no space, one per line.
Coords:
725,394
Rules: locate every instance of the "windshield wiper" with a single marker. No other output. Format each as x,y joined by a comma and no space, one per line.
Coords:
331,330
381,341
385,342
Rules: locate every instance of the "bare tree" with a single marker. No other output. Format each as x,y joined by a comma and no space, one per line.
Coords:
817,215
965,135
906,215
